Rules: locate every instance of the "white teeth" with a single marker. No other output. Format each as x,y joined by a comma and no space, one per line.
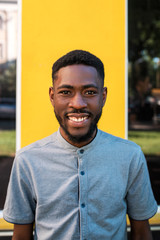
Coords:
77,119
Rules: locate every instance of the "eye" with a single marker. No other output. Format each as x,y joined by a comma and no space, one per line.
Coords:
65,92
90,92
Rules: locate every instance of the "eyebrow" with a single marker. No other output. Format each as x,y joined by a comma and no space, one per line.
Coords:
71,87
65,86
90,86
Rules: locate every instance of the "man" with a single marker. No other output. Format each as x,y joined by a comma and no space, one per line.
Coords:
79,183
141,104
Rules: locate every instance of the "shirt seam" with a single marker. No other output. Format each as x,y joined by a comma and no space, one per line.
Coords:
16,221
146,216
32,146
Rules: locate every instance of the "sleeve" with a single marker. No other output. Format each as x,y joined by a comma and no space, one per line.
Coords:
141,204
20,202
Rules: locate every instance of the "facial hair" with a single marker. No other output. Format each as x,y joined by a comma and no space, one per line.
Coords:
78,138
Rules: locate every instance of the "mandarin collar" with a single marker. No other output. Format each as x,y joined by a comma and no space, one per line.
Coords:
67,145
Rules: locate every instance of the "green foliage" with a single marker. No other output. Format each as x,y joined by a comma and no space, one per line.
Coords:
7,142
144,28
143,39
148,140
8,79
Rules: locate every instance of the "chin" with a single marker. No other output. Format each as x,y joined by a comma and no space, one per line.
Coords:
81,137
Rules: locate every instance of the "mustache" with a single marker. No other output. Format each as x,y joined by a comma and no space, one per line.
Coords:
78,111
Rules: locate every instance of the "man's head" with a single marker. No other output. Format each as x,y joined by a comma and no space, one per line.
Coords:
78,96
78,57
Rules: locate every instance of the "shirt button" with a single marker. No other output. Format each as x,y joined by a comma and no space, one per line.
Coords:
82,173
81,151
83,205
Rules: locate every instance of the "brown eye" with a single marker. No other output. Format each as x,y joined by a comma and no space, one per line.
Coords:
65,92
90,92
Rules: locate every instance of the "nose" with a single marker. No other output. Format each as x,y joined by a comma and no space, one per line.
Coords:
77,101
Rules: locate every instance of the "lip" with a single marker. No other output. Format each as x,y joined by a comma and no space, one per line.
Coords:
77,115
78,119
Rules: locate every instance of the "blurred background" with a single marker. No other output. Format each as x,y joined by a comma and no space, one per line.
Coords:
8,56
144,83
143,87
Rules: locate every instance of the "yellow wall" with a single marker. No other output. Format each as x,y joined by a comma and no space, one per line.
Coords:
50,29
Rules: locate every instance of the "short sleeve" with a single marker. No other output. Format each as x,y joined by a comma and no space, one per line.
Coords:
20,201
140,200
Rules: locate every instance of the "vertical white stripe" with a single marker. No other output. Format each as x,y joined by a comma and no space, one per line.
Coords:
1,214
18,80
126,69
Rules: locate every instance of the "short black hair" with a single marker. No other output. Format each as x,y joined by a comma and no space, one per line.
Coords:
79,57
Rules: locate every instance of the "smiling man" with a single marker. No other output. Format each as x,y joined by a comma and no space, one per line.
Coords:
79,183
78,96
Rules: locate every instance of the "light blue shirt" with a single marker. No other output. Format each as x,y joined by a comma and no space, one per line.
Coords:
79,193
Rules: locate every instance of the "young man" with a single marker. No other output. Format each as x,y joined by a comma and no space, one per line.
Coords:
79,183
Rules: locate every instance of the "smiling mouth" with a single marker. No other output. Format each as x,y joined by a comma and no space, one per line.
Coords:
78,119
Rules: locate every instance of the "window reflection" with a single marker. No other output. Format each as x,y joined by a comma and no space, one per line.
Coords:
144,83
8,56
144,95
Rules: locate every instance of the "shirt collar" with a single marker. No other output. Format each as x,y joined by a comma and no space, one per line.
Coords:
74,148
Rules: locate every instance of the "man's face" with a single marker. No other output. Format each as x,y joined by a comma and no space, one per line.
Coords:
78,98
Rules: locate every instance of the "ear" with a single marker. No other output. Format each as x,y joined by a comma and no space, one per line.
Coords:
51,95
104,95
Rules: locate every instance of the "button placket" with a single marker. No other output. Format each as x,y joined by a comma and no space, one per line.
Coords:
82,195
81,151
82,173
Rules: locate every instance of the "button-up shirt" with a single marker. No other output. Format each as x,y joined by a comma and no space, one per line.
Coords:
79,193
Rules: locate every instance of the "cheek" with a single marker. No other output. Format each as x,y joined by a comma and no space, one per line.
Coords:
97,104
95,108
60,105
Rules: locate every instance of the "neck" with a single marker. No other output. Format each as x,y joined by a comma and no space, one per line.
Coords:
78,141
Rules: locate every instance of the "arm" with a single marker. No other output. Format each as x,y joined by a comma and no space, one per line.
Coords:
23,232
140,230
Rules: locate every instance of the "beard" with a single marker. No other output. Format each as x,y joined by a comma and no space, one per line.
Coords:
80,138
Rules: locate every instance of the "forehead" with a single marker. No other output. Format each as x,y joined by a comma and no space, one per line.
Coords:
78,75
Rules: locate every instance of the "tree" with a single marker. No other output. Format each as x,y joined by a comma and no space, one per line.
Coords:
8,80
143,28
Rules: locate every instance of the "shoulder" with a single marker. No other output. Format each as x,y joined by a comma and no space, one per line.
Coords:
38,146
118,142
121,150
